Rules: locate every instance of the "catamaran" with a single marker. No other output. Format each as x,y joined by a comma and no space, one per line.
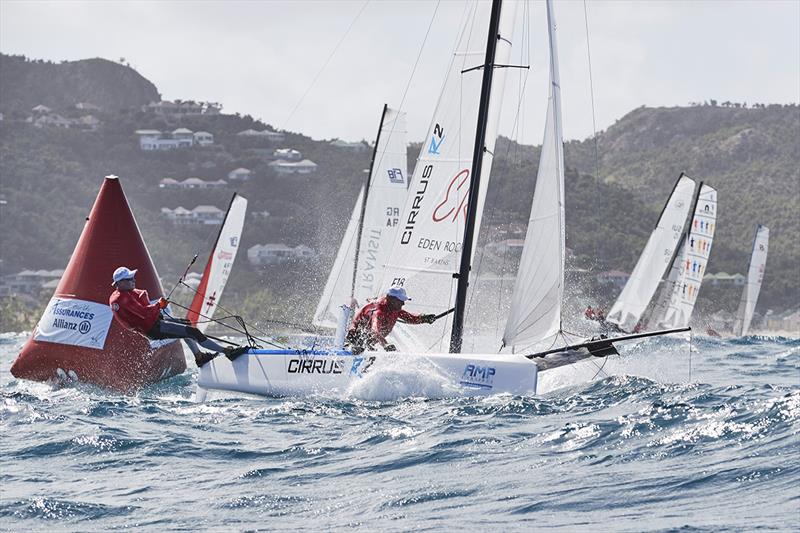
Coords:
658,254
678,296
433,248
755,275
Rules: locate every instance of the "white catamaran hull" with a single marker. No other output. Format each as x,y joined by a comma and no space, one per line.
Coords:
303,372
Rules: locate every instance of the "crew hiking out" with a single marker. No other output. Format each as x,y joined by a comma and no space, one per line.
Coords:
132,308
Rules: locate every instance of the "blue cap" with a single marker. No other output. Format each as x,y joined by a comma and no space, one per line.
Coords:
123,273
399,293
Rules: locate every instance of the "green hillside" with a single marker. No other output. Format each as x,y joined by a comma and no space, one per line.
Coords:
50,177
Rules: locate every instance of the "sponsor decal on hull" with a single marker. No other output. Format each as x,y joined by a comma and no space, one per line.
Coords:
324,365
477,376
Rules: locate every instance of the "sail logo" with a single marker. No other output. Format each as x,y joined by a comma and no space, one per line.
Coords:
234,242
477,376
396,176
452,207
416,205
435,146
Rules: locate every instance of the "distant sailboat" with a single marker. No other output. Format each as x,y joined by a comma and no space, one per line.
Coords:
679,293
755,275
218,267
656,257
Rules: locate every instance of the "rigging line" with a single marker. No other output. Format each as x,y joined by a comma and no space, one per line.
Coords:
594,121
600,369
521,85
223,309
319,72
691,337
229,326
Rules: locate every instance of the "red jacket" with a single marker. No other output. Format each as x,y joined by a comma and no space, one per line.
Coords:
133,309
375,320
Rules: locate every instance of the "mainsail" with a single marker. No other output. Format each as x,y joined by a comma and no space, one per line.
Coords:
755,275
386,194
427,248
219,265
535,313
655,259
680,291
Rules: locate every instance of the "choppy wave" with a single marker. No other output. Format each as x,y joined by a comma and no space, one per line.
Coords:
639,447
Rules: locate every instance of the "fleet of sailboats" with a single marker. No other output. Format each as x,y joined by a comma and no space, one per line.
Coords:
419,232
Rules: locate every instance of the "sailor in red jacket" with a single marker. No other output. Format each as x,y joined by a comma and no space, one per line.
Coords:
132,309
376,320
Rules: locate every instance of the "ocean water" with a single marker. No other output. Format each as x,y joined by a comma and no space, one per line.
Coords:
643,446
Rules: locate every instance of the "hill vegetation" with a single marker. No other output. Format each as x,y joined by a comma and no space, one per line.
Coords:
50,177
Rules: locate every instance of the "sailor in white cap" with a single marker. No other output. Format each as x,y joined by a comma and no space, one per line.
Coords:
132,309
376,320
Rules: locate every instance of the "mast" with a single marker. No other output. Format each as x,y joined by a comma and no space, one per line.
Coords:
364,203
474,180
558,146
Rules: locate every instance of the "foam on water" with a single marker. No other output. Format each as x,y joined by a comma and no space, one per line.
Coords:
397,378
640,447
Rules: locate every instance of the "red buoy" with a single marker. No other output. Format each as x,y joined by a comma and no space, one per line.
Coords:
77,337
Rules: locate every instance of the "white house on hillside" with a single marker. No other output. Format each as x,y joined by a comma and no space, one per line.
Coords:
191,183
185,136
272,136
288,154
241,173
151,140
203,138
52,120
176,109
725,279
270,254
305,166
200,215
355,147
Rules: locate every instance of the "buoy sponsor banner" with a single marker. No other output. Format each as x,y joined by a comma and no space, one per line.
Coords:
75,322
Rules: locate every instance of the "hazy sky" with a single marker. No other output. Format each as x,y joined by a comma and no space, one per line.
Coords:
260,57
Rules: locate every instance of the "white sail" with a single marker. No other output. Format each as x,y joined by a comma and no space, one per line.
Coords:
535,313
388,188
339,284
218,267
427,248
689,267
655,259
755,275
